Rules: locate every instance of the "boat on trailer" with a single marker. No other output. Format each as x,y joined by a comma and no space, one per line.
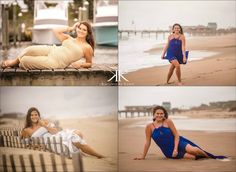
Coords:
49,14
105,24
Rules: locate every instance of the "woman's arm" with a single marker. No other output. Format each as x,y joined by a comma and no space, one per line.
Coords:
148,132
59,32
24,134
88,54
166,47
176,135
44,123
183,48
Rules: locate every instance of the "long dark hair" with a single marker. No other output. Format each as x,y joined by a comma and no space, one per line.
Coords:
181,29
28,122
89,37
162,108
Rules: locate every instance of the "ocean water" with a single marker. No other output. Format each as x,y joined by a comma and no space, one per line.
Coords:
210,125
133,53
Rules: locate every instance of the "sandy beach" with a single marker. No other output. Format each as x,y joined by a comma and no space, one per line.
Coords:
132,139
217,70
99,132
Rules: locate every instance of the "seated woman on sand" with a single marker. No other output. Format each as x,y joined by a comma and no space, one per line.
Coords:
162,130
59,57
73,139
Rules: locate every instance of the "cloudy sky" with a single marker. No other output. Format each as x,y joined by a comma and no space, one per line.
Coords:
161,14
60,101
178,96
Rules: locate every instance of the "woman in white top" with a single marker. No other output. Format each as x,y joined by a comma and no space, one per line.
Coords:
73,139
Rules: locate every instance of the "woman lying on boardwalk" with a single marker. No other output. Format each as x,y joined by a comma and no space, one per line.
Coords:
162,130
59,57
73,139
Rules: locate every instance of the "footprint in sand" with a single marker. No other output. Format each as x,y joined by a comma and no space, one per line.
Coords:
109,160
122,152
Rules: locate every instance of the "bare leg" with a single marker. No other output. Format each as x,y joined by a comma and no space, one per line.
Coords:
195,151
10,63
177,70
189,156
170,73
35,50
87,149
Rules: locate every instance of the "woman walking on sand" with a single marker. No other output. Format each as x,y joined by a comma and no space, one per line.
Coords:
73,139
59,57
176,52
162,130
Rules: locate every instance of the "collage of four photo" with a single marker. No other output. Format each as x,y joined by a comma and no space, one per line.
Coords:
118,85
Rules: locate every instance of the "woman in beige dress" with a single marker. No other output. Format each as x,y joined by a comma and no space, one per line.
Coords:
59,57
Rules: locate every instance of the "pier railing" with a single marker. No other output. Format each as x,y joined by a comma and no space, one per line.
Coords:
134,113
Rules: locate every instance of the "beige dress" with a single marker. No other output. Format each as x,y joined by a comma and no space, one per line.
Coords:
51,57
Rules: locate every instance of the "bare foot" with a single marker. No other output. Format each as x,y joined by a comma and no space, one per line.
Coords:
3,65
179,84
100,156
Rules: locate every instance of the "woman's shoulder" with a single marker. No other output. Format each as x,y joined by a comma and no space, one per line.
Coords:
170,36
182,36
88,47
149,125
169,122
88,50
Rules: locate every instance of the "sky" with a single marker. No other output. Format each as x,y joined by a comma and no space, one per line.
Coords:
183,97
162,14
60,101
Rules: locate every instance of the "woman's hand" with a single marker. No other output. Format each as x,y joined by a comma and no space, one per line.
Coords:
175,153
162,56
184,59
42,123
139,158
75,25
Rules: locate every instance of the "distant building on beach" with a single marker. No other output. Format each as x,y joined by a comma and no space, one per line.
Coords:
211,28
166,105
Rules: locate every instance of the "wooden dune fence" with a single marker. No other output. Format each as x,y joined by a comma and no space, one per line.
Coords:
58,159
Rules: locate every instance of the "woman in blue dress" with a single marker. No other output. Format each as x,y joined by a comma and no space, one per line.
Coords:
176,52
162,130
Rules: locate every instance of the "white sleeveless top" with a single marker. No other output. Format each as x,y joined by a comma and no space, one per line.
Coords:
68,137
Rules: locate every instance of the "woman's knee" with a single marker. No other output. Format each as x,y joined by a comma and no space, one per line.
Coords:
189,156
193,150
177,66
78,133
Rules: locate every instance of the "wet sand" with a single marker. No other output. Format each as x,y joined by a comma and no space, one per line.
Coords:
131,142
218,70
99,132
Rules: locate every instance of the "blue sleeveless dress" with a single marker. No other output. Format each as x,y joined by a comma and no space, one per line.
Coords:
174,51
164,138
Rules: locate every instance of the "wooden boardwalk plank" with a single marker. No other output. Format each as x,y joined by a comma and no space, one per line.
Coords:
99,73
